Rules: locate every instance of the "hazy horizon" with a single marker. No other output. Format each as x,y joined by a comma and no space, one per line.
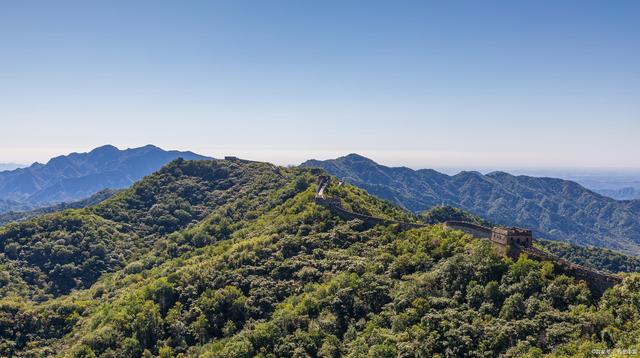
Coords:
440,85
391,161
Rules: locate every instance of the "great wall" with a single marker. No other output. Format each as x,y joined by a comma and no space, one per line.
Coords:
336,208
509,241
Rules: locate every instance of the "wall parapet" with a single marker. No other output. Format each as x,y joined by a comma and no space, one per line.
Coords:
335,206
597,281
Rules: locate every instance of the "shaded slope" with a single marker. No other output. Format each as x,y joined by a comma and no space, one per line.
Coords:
24,215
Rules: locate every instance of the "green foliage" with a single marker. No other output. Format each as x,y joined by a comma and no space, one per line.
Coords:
56,253
602,259
442,213
24,215
258,269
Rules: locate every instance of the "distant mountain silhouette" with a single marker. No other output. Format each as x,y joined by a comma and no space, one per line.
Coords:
10,205
556,209
80,175
627,193
24,214
9,166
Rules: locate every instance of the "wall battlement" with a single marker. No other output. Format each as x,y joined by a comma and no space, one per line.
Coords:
512,236
515,241
335,206
511,241
469,228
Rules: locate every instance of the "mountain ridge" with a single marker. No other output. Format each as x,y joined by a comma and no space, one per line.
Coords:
557,209
77,176
230,258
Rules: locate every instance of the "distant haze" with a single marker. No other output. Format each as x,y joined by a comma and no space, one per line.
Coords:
10,166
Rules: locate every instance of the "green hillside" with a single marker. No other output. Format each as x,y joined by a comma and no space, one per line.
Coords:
441,213
235,259
94,199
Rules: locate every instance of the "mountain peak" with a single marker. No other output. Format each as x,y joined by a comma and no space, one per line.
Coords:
79,175
355,157
104,149
151,146
497,173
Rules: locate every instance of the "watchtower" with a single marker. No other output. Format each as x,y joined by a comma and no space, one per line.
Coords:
512,236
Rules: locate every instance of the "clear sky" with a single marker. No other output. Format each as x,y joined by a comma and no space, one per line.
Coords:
491,84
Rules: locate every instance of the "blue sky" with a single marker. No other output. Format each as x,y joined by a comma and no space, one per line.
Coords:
475,84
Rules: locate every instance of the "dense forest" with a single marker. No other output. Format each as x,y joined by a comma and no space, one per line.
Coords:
441,213
601,259
235,259
28,214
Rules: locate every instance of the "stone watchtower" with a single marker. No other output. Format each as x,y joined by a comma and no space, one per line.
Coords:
510,236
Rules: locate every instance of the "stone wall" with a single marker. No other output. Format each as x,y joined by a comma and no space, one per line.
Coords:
469,228
597,281
335,206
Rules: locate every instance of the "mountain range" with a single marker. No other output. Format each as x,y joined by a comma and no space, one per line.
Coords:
555,209
79,175
232,258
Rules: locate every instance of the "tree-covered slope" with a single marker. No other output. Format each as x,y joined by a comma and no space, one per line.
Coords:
24,215
442,213
555,209
62,251
598,258
262,270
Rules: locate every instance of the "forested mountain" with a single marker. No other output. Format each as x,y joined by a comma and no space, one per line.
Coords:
79,175
236,259
440,214
598,258
24,215
556,209
602,259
